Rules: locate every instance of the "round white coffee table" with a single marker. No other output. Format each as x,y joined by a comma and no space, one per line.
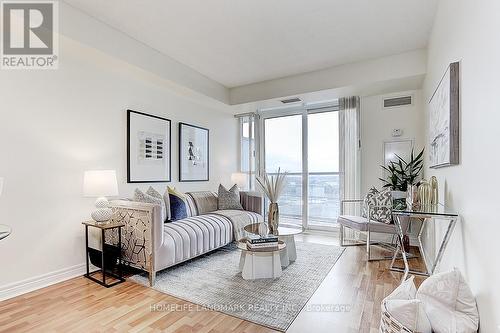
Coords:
260,263
287,235
5,231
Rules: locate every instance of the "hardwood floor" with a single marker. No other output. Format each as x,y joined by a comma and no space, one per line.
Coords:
348,300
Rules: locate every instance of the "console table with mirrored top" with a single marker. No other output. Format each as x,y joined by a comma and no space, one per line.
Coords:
425,213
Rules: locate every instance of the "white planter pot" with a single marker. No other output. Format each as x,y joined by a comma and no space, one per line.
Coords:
398,194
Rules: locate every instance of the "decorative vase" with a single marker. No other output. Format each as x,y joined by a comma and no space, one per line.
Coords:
412,198
425,193
434,188
263,229
273,218
406,243
398,199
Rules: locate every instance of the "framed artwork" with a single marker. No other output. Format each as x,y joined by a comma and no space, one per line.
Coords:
148,148
444,109
193,153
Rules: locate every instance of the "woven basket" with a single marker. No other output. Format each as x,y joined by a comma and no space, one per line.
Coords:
389,324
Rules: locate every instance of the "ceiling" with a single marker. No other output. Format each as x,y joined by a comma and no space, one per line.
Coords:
238,42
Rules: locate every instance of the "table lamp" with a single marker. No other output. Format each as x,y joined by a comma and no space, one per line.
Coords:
100,184
240,179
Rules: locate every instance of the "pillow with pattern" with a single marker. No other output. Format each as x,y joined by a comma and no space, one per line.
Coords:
229,199
140,196
154,193
380,203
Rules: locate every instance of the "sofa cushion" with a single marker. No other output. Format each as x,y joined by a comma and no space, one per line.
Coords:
361,224
229,199
205,201
190,237
449,303
178,204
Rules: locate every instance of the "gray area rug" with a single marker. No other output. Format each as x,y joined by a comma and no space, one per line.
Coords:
213,281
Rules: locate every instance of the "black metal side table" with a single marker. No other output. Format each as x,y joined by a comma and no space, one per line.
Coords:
104,227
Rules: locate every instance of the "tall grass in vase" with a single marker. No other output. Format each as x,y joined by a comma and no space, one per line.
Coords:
272,187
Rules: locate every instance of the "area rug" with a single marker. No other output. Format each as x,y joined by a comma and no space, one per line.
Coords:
213,281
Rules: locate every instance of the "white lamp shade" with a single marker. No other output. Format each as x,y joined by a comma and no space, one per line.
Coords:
1,185
240,179
100,183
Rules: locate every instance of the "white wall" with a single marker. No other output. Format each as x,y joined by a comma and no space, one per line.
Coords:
361,74
468,31
377,124
55,124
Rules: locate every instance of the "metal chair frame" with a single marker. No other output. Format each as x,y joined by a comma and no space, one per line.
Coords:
388,246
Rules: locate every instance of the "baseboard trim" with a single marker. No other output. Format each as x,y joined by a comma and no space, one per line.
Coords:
41,281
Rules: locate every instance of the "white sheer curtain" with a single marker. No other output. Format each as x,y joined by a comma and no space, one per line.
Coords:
249,146
350,155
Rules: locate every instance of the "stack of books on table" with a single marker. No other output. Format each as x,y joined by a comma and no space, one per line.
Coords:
262,243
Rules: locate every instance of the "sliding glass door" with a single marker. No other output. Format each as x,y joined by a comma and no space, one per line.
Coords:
305,143
323,168
283,150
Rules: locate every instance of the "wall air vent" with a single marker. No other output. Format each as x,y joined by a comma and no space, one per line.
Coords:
392,102
291,100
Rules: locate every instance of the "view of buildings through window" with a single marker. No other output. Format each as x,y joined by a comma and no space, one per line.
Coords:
283,149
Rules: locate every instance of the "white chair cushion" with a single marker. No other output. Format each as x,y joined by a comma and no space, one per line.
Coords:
449,303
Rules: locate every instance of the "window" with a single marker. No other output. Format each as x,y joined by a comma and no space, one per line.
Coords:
247,149
305,143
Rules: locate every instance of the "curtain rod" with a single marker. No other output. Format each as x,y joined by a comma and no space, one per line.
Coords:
247,114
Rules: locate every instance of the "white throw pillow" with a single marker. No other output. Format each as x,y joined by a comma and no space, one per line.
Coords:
409,313
402,305
405,291
449,303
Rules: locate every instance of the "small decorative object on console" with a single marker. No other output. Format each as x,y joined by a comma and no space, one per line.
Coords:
435,190
425,193
100,183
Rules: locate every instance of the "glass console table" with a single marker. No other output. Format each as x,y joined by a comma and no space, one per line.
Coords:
5,231
426,213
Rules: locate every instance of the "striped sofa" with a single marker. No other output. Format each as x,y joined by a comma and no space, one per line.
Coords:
152,245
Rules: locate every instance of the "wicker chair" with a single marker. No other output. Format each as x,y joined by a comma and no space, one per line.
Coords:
388,324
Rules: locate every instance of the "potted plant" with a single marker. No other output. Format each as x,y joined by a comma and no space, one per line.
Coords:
272,187
403,174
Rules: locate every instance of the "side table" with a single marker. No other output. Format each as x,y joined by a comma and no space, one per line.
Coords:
103,227
260,263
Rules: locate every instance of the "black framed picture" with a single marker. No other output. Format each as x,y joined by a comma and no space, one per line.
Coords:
148,148
193,153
